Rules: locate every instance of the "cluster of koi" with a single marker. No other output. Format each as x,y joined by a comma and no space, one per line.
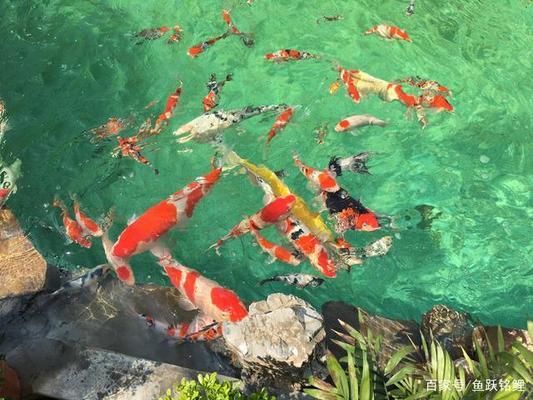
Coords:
303,229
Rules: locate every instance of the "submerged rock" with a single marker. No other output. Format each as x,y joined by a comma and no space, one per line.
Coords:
452,329
276,342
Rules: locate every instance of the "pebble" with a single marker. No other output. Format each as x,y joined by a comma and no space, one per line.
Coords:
484,159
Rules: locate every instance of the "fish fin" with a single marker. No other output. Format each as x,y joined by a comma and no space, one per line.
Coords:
263,281
200,322
186,304
281,173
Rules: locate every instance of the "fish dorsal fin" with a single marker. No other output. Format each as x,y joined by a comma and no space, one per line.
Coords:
200,322
186,304
132,219
281,174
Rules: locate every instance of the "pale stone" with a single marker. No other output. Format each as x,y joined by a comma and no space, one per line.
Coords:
22,268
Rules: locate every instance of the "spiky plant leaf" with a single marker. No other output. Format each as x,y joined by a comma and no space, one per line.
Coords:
501,341
366,392
320,395
397,357
354,333
320,384
338,375
526,354
400,375
352,375
483,366
516,365
348,348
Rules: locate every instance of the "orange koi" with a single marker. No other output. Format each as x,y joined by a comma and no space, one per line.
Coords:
389,32
276,252
73,229
279,124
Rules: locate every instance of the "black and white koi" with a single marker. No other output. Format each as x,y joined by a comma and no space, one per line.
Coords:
89,279
357,163
299,280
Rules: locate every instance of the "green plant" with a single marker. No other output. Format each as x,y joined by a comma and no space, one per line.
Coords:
208,387
403,377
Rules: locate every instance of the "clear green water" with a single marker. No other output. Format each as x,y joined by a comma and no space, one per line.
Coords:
66,66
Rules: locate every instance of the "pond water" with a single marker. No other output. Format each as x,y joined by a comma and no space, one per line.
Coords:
69,66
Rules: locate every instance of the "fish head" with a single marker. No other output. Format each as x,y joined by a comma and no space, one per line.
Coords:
367,222
278,209
439,102
316,282
227,301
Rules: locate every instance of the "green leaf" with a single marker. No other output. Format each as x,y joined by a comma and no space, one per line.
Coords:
320,384
397,357
352,375
355,334
345,346
320,395
483,366
524,352
338,375
400,375
530,329
517,365
501,342
507,395
367,390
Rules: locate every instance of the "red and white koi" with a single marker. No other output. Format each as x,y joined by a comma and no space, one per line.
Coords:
200,329
357,121
176,36
280,123
273,212
89,226
275,251
346,78
309,245
322,180
112,127
211,99
4,194
207,296
172,102
288,55
73,229
143,233
389,32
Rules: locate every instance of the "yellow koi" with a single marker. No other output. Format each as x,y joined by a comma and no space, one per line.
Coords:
309,218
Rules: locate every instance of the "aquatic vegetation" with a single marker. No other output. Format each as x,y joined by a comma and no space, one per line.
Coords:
426,372
208,387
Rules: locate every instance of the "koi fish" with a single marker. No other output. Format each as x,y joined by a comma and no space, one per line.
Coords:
378,248
112,127
211,99
410,9
276,252
346,78
208,126
355,164
200,293
151,34
329,18
320,133
335,85
426,85
199,48
89,226
272,213
349,212
309,245
172,102
73,229
245,37
89,279
299,280
8,178
199,329
280,123
300,210
142,233
323,180
130,147
289,54
357,121
176,36
4,194
389,32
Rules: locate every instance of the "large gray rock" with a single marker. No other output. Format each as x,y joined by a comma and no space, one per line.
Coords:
276,343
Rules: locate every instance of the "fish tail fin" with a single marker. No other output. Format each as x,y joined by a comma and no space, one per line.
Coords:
229,158
57,202
267,280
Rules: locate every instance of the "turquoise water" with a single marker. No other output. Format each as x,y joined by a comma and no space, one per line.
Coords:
68,66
